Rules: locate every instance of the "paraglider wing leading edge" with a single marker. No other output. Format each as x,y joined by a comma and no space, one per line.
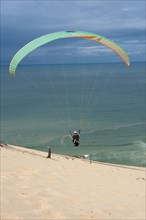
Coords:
28,48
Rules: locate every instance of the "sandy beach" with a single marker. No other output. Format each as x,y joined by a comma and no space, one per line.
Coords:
36,187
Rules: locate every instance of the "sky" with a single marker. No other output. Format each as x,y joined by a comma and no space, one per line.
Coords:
122,21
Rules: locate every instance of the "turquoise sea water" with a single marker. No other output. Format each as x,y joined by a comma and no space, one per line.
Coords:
43,103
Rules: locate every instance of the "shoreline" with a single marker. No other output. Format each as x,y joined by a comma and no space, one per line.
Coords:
65,187
44,154
28,150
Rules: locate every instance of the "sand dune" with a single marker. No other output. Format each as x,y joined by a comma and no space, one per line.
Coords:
36,187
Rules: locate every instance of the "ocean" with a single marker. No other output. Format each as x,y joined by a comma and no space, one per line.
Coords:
42,104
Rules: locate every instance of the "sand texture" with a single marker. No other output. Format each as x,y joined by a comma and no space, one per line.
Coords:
36,187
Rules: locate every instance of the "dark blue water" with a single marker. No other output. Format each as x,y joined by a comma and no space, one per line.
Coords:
42,104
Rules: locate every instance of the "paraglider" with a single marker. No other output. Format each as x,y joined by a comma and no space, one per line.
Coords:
28,48
38,42
75,138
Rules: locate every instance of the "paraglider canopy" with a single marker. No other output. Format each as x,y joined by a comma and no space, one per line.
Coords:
24,51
